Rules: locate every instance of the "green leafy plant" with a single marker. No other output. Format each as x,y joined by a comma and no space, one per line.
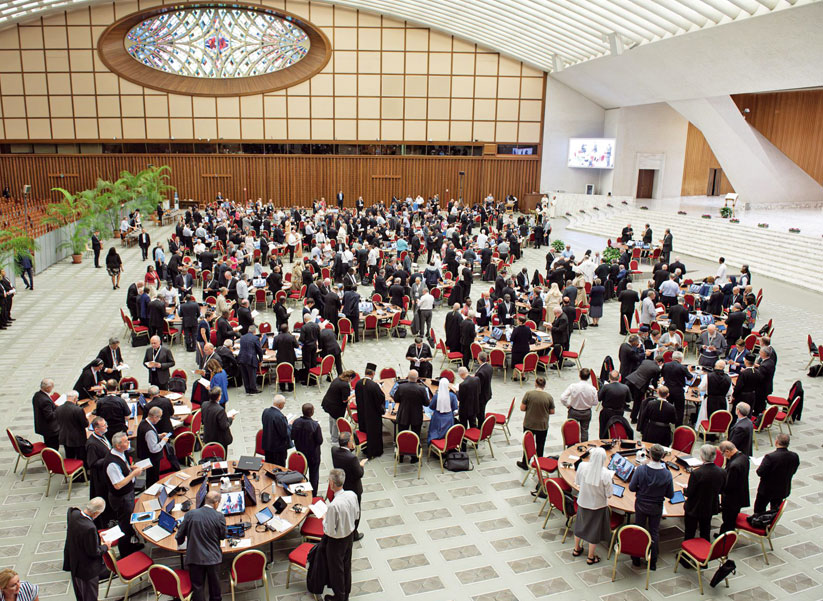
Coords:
725,212
15,243
558,245
611,253
72,212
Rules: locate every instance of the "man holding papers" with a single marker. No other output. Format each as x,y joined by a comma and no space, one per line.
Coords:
121,490
84,549
338,536
158,360
202,530
150,443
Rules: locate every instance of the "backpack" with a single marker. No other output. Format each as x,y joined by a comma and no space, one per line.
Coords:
761,520
457,461
177,385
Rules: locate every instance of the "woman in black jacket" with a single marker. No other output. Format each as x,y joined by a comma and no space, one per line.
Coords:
114,265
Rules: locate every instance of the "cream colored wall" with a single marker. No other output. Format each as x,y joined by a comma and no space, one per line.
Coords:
386,80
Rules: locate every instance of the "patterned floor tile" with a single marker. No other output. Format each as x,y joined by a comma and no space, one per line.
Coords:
546,588
476,575
423,585
409,561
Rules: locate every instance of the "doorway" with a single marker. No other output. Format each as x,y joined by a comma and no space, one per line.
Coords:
645,183
713,188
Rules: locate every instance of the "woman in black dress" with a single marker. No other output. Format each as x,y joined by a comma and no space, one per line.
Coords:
114,265
596,298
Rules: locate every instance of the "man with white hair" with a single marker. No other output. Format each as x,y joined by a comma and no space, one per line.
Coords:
121,478
158,360
742,432
276,432
411,396
84,549
73,426
703,495
45,414
712,345
339,526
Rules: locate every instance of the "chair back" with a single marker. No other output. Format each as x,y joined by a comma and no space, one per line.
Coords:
633,265
529,446
530,362
408,442
110,562
556,497
165,581
211,300
511,408
667,356
258,443
284,373
249,566
768,417
750,342
344,326
448,374
617,430
14,442
326,365
265,327
260,296
486,428
570,432
371,320
184,445
777,517
454,437
719,459
476,349
179,373
343,425
719,421
722,545
129,383
213,449
387,372
53,461
792,409
636,252
529,324
196,422
497,358
376,298
634,540
297,461
684,439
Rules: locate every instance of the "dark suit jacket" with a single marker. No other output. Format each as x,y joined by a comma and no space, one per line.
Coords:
204,528
83,552
345,460
468,397
73,425
412,398
703,491
484,374
166,361
679,315
307,437
224,331
736,491
190,314
216,424
276,427
467,332
97,456
309,334
734,326
521,339
336,398
284,344
251,351
646,373
45,414
560,329
86,381
630,357
157,314
776,472
244,319
164,425
105,355
741,435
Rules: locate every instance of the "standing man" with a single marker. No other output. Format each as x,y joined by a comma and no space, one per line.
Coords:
667,247
776,472
675,375
467,336
736,492
371,405
309,335
339,526
150,443
336,400
73,426
96,247
615,397
342,457
249,357
121,477
158,360
425,306
112,359
579,398
276,432
45,415
144,241
742,432
216,423
340,200
651,483
468,398
419,356
307,437
84,549
97,454
628,299
412,397
351,309
538,406
190,317
703,495
484,374
202,529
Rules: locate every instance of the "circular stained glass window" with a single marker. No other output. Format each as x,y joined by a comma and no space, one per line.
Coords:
217,43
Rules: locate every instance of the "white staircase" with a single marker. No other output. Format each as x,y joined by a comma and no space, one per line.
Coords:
780,255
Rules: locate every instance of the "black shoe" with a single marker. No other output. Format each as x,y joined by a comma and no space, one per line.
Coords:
686,564
538,493
522,465
653,566
636,562
358,536
414,459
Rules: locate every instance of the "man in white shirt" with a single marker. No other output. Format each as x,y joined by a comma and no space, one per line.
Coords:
669,291
425,305
338,528
720,277
482,239
587,268
579,398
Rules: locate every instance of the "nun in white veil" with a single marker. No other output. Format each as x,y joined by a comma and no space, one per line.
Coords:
443,406
592,523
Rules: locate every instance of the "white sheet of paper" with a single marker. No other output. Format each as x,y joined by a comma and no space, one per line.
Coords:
182,475
319,509
181,410
204,382
145,463
286,498
176,423
255,313
757,461
122,366
60,400
243,543
232,412
574,457
174,396
154,488
112,534
693,462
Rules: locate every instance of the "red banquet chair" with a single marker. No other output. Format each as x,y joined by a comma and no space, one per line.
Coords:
529,366
56,465
555,499
785,417
37,447
448,374
544,464
502,420
249,566
718,423
452,441
698,552
299,558
297,462
742,526
497,358
408,443
321,371
684,439
570,433
172,583
637,542
387,373
474,436
214,450
128,569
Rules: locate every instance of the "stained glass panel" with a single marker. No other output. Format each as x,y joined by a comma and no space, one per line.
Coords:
217,43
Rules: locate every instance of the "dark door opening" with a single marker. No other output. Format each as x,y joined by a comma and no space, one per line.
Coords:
645,183
715,182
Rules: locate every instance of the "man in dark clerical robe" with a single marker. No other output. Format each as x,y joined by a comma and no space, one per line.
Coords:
371,401
419,355
453,320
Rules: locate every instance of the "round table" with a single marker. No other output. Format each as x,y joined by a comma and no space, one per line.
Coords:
538,347
89,405
626,502
388,383
262,484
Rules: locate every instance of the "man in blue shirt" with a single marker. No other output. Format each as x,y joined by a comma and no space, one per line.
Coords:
651,483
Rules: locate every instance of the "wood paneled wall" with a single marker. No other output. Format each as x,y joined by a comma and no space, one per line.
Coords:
287,180
792,121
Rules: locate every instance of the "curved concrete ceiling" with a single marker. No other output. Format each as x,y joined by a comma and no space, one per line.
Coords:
548,34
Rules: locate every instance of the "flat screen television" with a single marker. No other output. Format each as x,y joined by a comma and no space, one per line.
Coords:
591,153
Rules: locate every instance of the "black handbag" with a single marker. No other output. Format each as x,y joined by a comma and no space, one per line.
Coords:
724,571
762,520
457,461
24,445
289,477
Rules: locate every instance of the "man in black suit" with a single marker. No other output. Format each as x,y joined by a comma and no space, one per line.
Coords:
190,316
648,372
113,409
84,549
150,443
144,242
158,360
281,313
371,401
776,472
216,424
307,437
675,375
73,426
748,383
89,384
309,335
284,345
97,453
134,291
452,327
559,329
244,316
484,374
340,200
328,345
225,331
336,400
96,247
467,336
249,358
734,325
203,529
343,457
628,299
276,432
45,415
157,316
154,399
736,490
351,309
742,432
703,495
668,243
765,368
630,355
679,315
112,358
615,397
468,399
411,396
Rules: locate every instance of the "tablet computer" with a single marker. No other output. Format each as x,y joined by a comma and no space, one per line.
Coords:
678,497
618,490
263,516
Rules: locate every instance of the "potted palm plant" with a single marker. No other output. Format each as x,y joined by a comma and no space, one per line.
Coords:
14,244
71,213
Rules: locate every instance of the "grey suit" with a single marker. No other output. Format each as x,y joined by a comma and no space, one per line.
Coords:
203,529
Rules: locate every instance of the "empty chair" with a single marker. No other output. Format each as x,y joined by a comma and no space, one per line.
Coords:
299,559
637,542
172,583
408,443
127,569
502,420
214,450
37,447
249,566
684,439
474,436
57,465
570,432
698,552
452,441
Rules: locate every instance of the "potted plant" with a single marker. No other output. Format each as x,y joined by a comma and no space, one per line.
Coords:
706,216
15,243
558,245
794,230
70,212
611,253
725,212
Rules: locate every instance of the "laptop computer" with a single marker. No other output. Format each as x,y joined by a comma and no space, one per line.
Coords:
622,467
247,463
164,527
158,502
232,503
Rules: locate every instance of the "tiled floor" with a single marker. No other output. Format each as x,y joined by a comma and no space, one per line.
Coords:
453,536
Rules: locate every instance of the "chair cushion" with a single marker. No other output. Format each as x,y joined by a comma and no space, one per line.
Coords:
405,322
777,400
547,464
439,443
133,565
519,367
72,465
37,447
473,434
615,520
139,329
698,548
455,355
173,331
742,524
704,424
361,437
544,359
185,582
314,370
312,528
300,555
781,415
499,418
569,355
